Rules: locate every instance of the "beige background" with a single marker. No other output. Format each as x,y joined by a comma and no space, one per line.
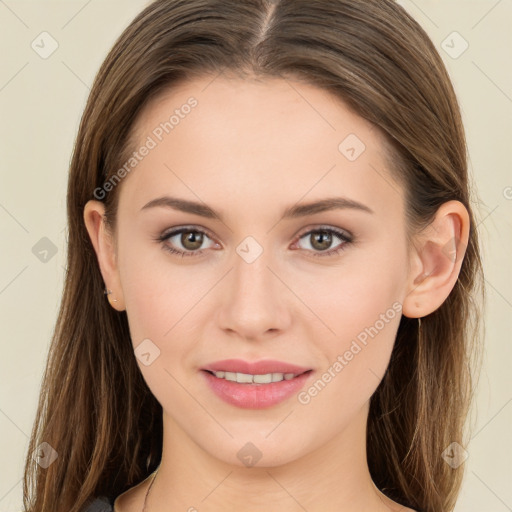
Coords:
41,101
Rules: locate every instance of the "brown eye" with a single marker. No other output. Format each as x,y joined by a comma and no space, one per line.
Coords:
184,241
191,240
321,241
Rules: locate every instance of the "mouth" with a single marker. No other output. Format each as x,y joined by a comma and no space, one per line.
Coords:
255,390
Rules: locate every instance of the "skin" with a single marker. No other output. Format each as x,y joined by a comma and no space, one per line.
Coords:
249,149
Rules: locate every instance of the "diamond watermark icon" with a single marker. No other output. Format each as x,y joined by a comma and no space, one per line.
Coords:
249,249
44,455
455,455
351,147
454,45
249,454
146,352
44,45
44,250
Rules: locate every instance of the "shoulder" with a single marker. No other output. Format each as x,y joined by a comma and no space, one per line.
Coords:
99,504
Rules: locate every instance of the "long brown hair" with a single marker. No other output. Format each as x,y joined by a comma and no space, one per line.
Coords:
95,409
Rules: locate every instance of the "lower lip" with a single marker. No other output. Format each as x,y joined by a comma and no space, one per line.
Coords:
255,396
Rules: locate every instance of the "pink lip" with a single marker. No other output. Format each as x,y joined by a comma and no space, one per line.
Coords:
255,396
255,368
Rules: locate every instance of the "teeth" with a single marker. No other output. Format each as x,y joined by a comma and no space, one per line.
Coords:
245,378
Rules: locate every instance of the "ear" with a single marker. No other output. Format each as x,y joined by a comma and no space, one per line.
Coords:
105,249
436,260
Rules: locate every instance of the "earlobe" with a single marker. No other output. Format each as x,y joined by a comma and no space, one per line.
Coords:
438,257
104,248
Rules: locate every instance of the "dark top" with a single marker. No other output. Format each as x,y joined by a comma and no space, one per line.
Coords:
101,504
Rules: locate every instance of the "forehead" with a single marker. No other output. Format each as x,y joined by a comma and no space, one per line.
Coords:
256,142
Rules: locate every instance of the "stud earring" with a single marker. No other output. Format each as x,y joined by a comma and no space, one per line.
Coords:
108,292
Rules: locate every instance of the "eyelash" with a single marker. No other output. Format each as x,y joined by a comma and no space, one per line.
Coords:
345,237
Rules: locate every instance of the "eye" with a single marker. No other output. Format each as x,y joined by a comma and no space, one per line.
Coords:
322,239
190,239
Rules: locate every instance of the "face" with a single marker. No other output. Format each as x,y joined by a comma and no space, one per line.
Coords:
263,278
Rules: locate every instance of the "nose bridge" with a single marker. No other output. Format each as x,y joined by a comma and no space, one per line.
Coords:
254,302
251,272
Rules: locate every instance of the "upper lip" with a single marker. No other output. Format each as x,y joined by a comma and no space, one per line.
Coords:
256,367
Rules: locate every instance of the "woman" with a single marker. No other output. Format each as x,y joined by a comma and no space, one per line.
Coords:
273,196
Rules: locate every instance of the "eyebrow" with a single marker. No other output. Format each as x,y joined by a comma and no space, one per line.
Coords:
292,212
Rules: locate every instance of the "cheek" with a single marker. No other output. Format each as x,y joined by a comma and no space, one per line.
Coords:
362,309
355,359
160,301
157,292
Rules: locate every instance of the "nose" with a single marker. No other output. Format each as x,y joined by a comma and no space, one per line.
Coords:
255,301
